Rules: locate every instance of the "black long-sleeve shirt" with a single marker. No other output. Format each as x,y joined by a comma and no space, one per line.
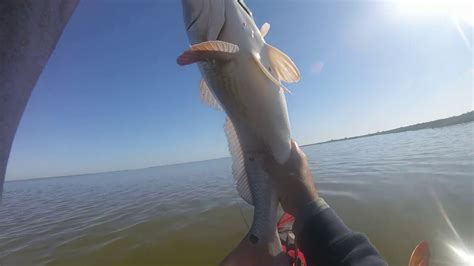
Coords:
324,239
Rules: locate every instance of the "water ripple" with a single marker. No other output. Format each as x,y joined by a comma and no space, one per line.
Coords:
380,185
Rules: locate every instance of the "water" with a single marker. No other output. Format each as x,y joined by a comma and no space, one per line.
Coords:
399,189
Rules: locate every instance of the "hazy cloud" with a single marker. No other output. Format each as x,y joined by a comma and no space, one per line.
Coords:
317,67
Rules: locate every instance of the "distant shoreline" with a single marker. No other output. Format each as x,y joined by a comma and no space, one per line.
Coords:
445,122
450,121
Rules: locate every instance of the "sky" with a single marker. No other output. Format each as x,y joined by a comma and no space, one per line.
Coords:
112,96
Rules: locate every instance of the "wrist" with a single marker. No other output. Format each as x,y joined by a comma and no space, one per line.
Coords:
306,212
303,198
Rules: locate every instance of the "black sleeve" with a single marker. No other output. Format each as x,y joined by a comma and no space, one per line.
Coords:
324,239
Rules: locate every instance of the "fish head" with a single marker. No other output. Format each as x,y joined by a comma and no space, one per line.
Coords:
192,12
203,19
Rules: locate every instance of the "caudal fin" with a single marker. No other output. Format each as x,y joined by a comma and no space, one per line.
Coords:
261,246
263,254
420,255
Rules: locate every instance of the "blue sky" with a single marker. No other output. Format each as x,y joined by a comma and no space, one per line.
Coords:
112,96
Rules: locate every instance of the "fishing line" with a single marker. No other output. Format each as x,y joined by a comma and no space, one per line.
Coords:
242,213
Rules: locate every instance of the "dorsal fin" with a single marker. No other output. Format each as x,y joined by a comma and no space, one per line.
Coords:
208,50
264,29
265,71
207,96
238,165
284,67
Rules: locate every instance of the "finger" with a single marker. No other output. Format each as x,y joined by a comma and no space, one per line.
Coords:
298,150
297,156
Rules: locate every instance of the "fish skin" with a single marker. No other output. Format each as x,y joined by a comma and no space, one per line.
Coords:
256,109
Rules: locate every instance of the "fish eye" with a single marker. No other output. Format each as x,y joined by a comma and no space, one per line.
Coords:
245,7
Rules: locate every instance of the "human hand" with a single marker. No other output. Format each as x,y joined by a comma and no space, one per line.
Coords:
292,180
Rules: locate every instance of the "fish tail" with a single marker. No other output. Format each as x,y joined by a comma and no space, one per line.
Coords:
261,245
248,253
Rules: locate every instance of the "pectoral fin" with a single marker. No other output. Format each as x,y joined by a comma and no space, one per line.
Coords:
284,67
218,50
264,29
267,73
207,96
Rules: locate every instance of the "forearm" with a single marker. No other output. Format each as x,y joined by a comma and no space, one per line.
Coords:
325,240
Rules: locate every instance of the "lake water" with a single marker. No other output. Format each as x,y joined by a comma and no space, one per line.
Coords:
399,189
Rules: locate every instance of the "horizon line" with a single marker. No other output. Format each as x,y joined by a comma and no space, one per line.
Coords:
388,131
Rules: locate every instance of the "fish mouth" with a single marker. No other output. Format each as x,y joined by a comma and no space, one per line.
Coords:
192,11
192,23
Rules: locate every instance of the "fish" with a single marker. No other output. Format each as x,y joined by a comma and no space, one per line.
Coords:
243,75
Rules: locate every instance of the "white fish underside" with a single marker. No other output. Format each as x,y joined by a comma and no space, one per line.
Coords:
247,147
245,130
